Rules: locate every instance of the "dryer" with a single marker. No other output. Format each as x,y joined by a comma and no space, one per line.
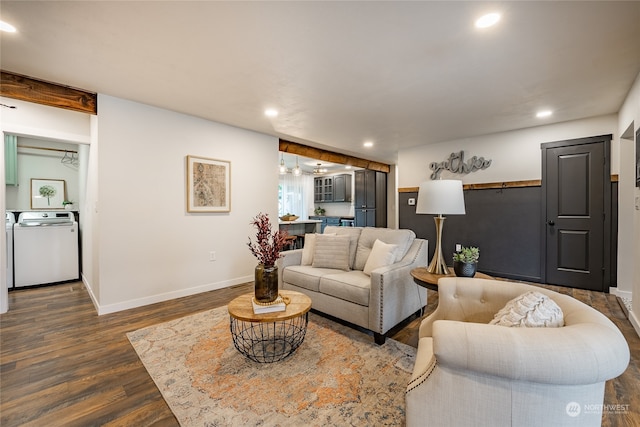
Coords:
45,248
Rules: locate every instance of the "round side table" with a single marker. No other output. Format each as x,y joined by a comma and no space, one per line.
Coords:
430,280
269,337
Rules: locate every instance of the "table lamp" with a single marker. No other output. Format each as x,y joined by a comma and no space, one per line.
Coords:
440,197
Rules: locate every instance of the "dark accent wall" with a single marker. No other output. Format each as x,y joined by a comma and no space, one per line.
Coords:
504,224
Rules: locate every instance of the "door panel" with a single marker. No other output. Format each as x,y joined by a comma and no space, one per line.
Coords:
574,184
573,191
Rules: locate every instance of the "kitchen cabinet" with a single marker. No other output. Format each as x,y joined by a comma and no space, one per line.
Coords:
370,198
326,220
329,189
342,188
323,189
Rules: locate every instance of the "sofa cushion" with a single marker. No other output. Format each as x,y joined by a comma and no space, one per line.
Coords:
354,235
381,255
353,286
309,248
531,309
402,238
331,252
306,276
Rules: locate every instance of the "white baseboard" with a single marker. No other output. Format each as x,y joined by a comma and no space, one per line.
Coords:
90,290
633,318
635,322
126,305
619,293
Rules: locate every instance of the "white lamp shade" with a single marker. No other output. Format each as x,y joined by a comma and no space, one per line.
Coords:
441,197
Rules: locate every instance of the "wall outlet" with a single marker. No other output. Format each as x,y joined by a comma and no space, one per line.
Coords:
458,247
412,201
212,256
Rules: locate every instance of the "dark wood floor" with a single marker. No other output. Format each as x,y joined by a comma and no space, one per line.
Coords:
62,365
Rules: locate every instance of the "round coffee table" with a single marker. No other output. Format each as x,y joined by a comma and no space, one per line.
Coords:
269,337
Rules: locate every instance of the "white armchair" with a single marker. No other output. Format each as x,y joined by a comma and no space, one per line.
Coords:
471,373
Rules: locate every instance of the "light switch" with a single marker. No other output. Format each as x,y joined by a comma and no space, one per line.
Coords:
638,203
412,201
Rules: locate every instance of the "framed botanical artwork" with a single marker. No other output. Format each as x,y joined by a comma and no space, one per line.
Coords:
48,193
208,185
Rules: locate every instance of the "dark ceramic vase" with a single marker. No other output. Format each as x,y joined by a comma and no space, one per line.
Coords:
266,283
465,269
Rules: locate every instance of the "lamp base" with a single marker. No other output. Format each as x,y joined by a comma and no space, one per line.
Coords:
438,265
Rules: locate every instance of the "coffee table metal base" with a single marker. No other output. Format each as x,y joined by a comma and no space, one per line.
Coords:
268,342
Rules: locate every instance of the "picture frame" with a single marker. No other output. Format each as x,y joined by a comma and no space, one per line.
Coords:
208,185
48,193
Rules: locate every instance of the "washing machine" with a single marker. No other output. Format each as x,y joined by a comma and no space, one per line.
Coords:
45,248
9,221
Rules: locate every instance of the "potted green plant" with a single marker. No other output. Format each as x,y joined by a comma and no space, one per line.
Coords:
67,204
465,261
319,211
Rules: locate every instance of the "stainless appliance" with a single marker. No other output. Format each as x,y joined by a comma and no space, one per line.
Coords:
347,222
45,248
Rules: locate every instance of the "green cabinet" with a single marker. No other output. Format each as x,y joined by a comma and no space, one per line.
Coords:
11,160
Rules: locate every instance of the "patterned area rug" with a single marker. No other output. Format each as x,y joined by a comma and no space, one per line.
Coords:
338,376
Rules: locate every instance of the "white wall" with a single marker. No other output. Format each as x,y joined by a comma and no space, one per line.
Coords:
41,164
629,217
150,249
39,121
515,155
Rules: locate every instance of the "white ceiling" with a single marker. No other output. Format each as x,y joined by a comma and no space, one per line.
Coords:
399,74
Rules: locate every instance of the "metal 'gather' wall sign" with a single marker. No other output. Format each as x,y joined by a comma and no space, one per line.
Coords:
456,164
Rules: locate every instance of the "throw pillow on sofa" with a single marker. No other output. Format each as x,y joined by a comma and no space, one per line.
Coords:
532,309
402,238
381,255
310,247
331,252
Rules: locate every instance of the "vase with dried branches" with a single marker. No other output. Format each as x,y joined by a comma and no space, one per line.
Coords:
266,249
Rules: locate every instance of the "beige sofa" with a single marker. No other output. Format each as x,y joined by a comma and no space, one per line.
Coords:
471,373
376,301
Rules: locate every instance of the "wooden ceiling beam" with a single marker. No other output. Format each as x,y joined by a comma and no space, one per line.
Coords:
330,156
17,86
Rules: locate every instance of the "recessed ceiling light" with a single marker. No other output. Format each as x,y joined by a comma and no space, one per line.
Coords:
488,20
348,167
543,114
271,112
368,144
6,27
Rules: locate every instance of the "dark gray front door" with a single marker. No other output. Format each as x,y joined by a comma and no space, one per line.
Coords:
576,193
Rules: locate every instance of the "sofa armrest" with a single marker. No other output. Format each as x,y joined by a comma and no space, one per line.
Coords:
584,353
293,257
288,258
394,294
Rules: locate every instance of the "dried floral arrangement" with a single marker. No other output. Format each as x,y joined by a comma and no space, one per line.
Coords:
268,244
